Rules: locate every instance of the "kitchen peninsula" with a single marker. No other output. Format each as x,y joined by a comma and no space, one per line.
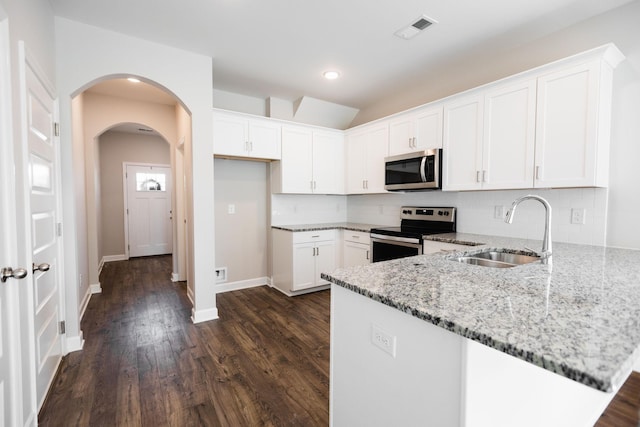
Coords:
426,340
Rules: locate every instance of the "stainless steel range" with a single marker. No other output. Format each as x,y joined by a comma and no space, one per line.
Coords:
398,242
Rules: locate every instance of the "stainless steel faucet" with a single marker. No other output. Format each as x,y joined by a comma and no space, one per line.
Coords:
546,241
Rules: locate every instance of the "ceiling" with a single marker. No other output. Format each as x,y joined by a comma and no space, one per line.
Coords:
280,48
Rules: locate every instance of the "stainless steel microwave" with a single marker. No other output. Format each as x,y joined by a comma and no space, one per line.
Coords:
414,171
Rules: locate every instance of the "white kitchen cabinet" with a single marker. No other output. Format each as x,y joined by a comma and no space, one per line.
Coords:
356,249
462,146
366,150
416,131
489,138
300,257
312,162
573,126
237,135
546,128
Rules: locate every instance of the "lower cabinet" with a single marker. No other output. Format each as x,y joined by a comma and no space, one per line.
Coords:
300,257
355,249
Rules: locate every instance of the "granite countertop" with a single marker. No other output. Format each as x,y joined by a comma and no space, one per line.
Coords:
353,226
580,319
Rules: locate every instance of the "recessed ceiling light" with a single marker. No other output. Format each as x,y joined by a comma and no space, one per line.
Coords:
133,80
331,75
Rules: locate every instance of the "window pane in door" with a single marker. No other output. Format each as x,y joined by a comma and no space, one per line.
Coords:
150,181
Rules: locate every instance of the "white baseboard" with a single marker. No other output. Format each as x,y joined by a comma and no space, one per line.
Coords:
111,258
85,302
74,343
241,284
95,288
302,292
100,266
636,367
204,315
175,277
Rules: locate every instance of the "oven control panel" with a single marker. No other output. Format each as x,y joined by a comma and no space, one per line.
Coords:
428,213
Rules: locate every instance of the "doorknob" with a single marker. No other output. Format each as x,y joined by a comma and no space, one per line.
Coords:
42,267
8,272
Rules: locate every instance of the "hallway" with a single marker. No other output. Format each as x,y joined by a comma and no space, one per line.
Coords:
265,362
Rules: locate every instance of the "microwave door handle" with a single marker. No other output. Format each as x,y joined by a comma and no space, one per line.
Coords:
423,166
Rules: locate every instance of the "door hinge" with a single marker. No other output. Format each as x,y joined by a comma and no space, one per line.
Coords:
127,211
59,229
63,327
56,128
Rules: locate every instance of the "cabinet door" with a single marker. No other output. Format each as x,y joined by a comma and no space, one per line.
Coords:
428,129
356,158
325,260
328,163
304,266
462,153
509,136
297,160
230,135
566,128
377,148
355,254
401,136
264,139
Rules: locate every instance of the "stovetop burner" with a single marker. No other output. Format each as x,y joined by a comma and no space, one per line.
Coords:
419,221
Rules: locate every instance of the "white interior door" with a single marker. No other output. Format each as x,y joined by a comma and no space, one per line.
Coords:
10,379
42,186
149,215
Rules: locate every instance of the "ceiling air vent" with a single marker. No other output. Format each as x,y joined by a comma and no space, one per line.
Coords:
145,130
415,27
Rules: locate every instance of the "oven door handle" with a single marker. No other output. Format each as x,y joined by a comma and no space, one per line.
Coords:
423,167
392,240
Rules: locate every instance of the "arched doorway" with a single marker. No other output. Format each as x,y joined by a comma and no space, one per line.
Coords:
107,106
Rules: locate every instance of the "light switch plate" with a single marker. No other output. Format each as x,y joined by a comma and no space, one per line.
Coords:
383,340
577,215
231,209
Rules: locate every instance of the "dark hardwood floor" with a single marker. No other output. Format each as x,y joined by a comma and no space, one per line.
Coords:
265,362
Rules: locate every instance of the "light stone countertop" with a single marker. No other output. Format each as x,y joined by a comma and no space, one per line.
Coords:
580,320
353,226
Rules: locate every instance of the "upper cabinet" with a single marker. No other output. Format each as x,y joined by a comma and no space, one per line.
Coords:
312,162
548,127
237,135
572,129
366,149
416,131
489,138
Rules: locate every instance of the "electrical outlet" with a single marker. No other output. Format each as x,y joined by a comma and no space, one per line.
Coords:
577,216
498,212
231,209
221,274
383,340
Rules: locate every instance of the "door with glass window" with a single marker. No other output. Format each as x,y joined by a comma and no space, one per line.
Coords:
148,210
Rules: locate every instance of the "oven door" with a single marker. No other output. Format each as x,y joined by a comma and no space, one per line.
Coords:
414,171
385,248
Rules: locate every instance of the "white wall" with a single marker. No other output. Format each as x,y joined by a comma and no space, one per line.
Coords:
87,54
476,212
116,148
241,237
291,209
182,193
618,26
238,102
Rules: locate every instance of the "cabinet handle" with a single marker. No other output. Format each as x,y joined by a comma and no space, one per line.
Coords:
355,237
314,185
415,144
477,176
318,251
311,185
484,176
315,237
250,145
367,255
537,172
366,184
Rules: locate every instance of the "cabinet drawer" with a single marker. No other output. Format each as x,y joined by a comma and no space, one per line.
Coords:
313,236
356,237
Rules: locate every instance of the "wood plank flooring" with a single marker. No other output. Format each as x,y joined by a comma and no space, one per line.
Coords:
264,363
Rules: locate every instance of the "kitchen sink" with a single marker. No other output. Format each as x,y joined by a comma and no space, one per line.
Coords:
497,258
